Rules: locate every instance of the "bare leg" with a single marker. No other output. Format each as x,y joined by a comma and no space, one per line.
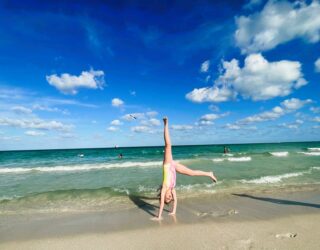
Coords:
167,158
187,171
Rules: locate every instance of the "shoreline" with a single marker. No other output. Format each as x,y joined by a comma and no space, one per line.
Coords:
209,212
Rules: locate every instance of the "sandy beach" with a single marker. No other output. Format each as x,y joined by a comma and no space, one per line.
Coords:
255,220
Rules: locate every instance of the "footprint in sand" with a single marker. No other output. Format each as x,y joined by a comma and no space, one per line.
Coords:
217,213
286,235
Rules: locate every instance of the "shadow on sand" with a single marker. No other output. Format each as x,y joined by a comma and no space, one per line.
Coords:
279,201
140,202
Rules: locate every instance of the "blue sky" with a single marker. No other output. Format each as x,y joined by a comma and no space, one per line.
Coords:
222,71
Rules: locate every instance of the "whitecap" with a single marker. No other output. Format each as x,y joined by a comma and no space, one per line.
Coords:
273,178
218,159
83,167
314,149
310,153
239,159
279,154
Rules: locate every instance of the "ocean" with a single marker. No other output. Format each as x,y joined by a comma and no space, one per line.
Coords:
96,179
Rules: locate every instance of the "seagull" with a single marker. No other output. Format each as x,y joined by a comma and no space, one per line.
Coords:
133,117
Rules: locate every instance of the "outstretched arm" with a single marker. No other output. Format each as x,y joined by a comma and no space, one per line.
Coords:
163,193
175,202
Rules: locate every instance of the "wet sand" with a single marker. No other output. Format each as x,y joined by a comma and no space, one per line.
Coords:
255,220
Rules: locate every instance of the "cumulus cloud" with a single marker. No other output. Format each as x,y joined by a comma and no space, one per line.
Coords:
35,123
181,127
116,102
21,110
316,119
116,123
258,79
34,133
209,118
152,113
112,128
232,126
211,94
151,122
69,84
315,110
205,66
278,23
317,65
142,129
287,106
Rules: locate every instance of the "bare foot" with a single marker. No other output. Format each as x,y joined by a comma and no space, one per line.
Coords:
172,214
156,218
165,120
214,179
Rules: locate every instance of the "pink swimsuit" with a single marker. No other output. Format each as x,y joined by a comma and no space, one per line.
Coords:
169,174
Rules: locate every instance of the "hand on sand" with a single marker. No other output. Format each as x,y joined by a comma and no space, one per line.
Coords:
214,179
156,218
165,120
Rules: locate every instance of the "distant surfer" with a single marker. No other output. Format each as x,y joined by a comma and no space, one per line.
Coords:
169,168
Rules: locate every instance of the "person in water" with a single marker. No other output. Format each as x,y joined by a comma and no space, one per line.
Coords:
169,168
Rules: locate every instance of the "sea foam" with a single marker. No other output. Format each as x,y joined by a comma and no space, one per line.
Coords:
273,178
311,153
279,154
314,149
239,159
84,167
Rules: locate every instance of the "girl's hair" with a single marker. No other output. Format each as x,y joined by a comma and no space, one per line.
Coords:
159,195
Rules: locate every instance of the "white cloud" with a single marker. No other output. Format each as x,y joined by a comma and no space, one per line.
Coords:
152,113
142,129
257,80
116,102
278,22
133,93
316,119
34,133
205,66
69,84
260,79
290,125
315,110
285,107
112,128
116,123
232,126
49,109
21,110
181,127
209,118
151,122
211,94
317,65
35,123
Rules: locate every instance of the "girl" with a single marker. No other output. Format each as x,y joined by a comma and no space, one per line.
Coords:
170,167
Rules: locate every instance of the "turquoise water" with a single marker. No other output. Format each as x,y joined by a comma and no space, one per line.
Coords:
83,178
